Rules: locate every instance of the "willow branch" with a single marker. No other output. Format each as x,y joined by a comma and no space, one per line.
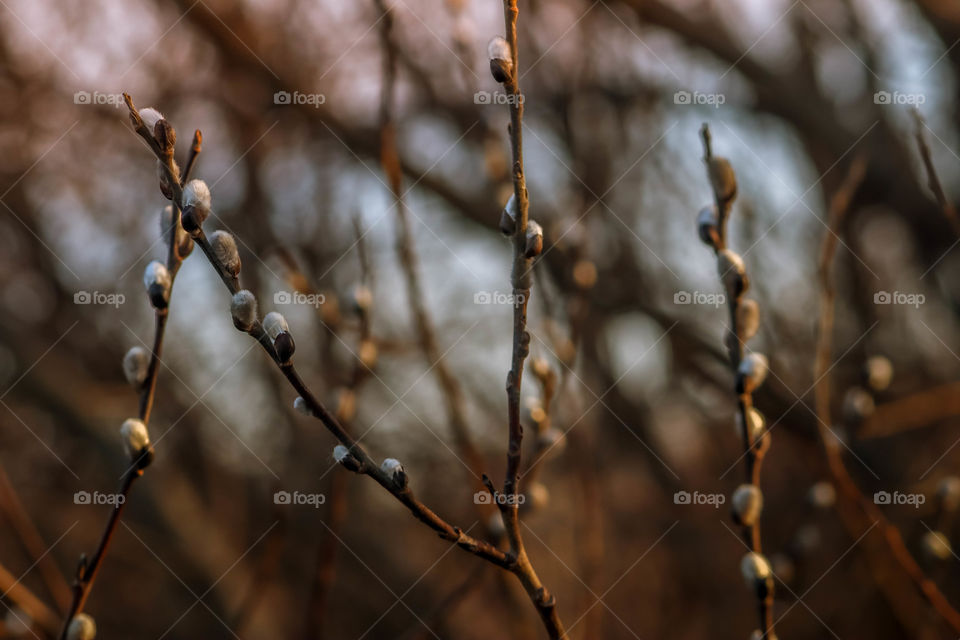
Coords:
849,491
933,180
87,570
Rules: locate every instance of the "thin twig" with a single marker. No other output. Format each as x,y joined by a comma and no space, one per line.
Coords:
87,570
406,252
933,180
56,584
521,279
849,491
754,448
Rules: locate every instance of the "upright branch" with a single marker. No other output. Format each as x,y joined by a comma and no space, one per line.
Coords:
849,494
140,367
527,244
749,371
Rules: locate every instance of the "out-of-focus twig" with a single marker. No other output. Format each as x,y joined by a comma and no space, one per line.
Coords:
933,180
32,541
849,492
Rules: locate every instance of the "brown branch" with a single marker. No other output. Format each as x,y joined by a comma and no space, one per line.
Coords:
33,543
364,463
849,491
87,571
755,449
16,592
406,253
933,180
521,277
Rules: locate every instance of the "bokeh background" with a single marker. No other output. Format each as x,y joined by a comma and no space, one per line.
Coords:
615,94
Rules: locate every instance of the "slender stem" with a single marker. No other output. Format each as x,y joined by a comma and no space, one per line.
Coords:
87,571
754,449
849,492
521,281
426,335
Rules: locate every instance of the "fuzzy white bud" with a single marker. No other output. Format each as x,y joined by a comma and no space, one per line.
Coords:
274,324
225,249
340,453
157,280
362,298
393,468
135,365
755,568
534,239
949,493
748,319
501,59
196,194
732,272
508,217
858,404
754,368
822,495
243,308
150,117
301,406
135,437
196,205
879,372
937,545
707,226
82,626
747,504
